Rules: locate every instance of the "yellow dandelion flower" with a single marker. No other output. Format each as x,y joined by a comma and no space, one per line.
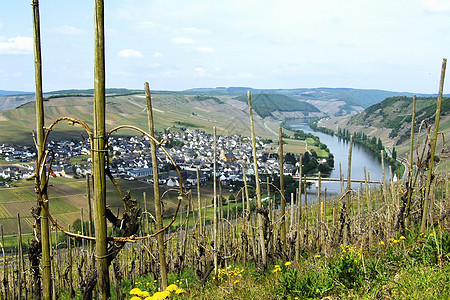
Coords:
381,243
391,239
149,298
422,233
135,298
143,294
431,234
172,288
402,238
179,291
165,294
395,241
288,263
148,283
236,281
155,281
317,256
158,296
135,291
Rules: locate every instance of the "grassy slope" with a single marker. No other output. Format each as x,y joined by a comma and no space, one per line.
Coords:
17,124
395,114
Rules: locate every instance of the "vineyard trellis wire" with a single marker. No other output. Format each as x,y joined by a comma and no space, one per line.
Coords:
42,164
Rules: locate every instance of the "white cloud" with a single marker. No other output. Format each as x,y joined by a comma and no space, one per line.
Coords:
205,49
437,5
157,55
130,53
200,71
193,30
66,29
245,75
146,25
17,45
182,40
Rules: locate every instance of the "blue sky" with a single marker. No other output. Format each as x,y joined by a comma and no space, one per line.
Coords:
394,45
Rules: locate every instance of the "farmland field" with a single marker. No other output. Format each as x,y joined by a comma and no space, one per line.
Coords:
67,196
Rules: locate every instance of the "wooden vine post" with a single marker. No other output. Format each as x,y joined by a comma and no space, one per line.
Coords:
410,167
43,228
158,213
433,148
98,165
216,225
258,186
283,199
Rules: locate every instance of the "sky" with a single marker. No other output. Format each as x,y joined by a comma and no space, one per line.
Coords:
395,45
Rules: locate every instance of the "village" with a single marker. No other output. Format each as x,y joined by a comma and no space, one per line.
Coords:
130,158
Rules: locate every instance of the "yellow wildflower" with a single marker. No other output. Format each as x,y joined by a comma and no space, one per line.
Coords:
160,295
381,243
402,238
431,234
135,291
288,263
143,294
391,239
135,298
236,281
149,298
276,269
395,241
172,287
165,294
317,256
179,291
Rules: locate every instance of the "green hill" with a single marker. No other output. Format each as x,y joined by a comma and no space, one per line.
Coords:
266,104
394,113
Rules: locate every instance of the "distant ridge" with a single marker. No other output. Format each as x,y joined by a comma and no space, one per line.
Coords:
13,93
355,97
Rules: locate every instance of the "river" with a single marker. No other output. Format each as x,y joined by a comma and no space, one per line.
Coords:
339,148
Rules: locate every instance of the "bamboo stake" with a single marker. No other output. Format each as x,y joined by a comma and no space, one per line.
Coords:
433,148
258,186
156,193
44,227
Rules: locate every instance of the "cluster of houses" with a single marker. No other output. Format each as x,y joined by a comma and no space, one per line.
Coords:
190,150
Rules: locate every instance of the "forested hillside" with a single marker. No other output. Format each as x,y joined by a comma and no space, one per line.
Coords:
394,113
